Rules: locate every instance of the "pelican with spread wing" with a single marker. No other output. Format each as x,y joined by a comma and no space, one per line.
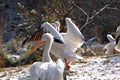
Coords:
62,51
73,39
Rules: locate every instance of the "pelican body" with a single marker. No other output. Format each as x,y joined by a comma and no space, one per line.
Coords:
71,40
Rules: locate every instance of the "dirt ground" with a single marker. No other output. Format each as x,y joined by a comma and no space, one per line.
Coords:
92,68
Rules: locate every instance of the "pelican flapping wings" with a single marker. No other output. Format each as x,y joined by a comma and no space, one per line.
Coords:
64,50
73,39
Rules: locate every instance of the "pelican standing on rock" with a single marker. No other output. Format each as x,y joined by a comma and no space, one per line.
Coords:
47,69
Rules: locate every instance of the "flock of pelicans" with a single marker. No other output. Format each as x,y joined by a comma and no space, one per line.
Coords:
62,46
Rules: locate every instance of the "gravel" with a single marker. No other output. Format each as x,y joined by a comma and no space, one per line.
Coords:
93,68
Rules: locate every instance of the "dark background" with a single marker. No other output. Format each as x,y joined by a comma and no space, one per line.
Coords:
13,14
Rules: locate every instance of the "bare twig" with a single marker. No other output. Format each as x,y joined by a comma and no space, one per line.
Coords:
112,8
89,19
99,11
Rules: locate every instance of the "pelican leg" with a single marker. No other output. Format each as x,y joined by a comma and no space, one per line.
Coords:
67,67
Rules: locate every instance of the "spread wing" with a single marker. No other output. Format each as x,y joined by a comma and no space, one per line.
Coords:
45,28
73,37
34,37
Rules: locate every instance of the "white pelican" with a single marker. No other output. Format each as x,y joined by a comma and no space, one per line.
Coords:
117,37
63,51
109,48
73,39
117,33
117,47
47,69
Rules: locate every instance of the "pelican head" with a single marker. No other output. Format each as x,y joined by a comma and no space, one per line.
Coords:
117,33
47,37
57,23
110,38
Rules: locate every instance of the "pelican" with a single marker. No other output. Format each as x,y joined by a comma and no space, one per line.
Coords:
65,50
109,48
117,37
117,47
47,69
73,39
117,33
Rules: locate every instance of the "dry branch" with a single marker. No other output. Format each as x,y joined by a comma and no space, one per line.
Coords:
90,19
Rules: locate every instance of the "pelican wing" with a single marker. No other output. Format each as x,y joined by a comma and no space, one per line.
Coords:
34,37
73,38
49,28
45,28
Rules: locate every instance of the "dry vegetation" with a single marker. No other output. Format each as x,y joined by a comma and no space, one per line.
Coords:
1,51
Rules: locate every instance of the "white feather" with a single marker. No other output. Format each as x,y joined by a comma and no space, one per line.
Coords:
50,29
73,39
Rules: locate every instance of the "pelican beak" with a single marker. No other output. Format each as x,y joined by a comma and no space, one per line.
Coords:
38,44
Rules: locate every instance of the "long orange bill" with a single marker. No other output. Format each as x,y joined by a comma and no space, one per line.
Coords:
38,44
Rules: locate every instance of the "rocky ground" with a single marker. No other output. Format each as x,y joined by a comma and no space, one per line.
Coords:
93,68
